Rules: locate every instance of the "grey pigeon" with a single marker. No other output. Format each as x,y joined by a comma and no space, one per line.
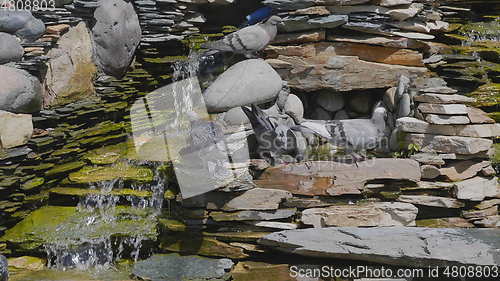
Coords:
248,40
352,134
275,136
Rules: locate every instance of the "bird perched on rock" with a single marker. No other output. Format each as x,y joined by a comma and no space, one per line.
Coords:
248,40
354,135
275,136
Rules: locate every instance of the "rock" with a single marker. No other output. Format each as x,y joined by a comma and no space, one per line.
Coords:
21,93
300,37
330,101
360,103
446,119
405,12
50,225
413,125
257,199
195,245
326,177
15,129
251,270
478,116
236,116
22,24
428,158
393,42
413,35
404,105
371,214
449,109
248,82
321,114
442,98
294,105
4,272
463,170
119,171
253,215
390,98
449,144
27,263
273,224
489,221
476,189
301,23
341,115
341,73
390,3
176,267
488,171
417,249
71,69
445,223
429,171
116,34
487,204
480,214
10,48
432,201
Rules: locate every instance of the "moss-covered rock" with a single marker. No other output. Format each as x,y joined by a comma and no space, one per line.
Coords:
118,171
198,245
64,169
27,263
72,196
107,154
487,95
32,184
63,226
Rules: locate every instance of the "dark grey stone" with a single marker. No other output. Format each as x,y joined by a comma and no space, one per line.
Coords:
174,267
405,246
4,273
116,34
22,24
23,93
10,48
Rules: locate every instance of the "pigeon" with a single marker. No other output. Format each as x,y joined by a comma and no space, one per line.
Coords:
353,135
258,16
248,40
275,136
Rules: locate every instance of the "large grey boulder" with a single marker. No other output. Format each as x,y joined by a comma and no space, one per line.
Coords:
10,48
15,129
176,267
21,23
251,81
4,273
116,34
406,246
21,92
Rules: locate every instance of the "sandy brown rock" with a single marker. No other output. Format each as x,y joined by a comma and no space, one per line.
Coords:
463,170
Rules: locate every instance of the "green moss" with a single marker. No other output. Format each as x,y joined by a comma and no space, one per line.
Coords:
496,156
167,59
64,169
198,245
118,171
172,225
486,95
33,183
107,154
63,226
81,192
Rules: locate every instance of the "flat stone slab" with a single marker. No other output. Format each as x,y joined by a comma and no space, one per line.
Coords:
432,201
176,267
414,125
477,188
447,119
405,246
451,109
449,144
253,215
334,178
371,214
442,98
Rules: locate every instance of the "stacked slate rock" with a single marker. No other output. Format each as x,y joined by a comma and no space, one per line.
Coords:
455,142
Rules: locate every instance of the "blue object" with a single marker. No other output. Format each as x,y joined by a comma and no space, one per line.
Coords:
258,16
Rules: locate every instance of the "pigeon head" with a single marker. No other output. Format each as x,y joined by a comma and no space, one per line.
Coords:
274,20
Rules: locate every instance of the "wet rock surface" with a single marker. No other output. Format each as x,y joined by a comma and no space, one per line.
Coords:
376,244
